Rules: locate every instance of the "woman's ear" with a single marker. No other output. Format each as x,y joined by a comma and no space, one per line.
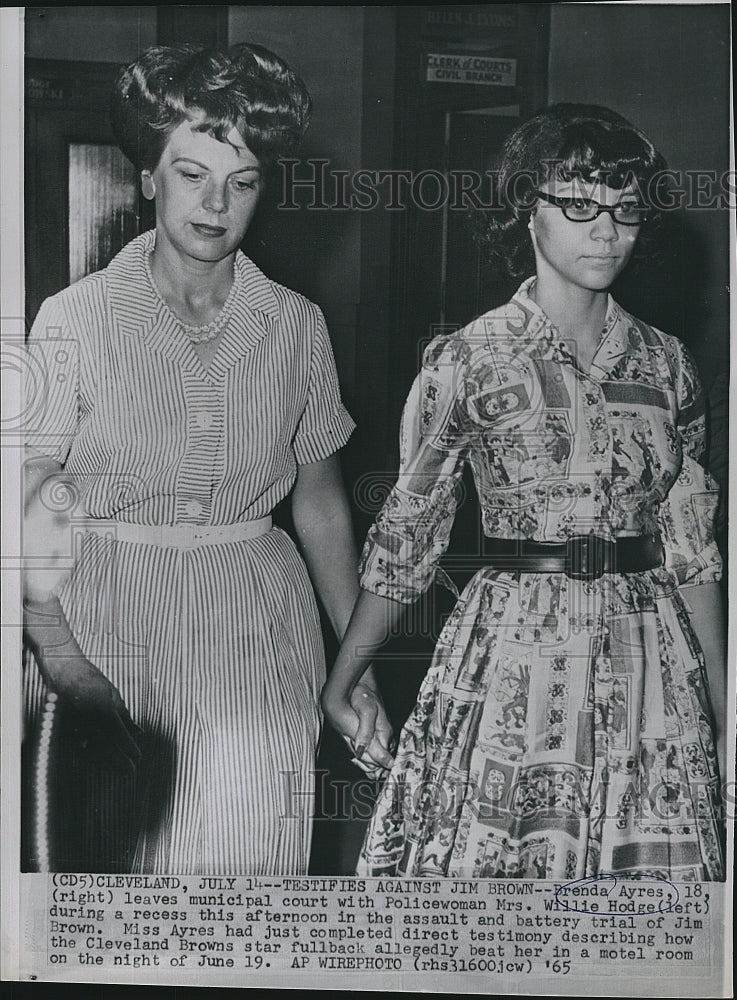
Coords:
148,188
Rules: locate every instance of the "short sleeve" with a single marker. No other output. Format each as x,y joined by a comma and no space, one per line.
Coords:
688,514
325,424
51,383
411,532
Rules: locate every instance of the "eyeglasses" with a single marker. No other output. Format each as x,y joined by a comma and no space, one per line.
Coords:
627,212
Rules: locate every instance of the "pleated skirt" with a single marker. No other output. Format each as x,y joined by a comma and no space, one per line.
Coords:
563,730
217,653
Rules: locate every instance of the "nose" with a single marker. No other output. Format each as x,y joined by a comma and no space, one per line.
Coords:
215,197
604,227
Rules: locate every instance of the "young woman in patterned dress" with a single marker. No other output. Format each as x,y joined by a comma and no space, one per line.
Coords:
565,726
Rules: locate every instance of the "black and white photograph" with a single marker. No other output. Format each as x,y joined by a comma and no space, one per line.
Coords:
366,538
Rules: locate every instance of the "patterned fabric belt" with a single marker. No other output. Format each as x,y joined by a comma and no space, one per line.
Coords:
581,557
188,536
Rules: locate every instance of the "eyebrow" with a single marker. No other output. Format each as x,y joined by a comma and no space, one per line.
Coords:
623,195
188,159
590,197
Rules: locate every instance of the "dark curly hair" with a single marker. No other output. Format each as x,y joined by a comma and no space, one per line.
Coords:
564,142
245,87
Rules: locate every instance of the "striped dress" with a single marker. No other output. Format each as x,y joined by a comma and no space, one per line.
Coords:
216,649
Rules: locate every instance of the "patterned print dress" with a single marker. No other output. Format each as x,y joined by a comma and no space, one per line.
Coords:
564,727
216,649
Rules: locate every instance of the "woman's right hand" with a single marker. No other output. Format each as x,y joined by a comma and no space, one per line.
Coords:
98,715
96,712
93,706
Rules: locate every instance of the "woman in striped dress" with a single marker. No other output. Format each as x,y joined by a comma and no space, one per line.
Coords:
180,395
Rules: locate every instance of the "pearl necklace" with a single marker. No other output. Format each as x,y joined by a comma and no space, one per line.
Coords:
207,331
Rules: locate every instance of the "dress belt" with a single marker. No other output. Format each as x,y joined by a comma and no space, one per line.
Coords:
187,536
580,557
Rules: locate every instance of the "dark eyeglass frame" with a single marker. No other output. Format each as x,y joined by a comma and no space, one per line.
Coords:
565,203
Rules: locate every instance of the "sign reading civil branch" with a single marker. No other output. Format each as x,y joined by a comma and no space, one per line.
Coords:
465,68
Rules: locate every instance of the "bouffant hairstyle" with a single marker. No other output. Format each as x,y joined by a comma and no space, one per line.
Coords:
565,142
245,87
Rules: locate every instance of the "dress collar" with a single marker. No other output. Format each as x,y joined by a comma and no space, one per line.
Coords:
138,310
544,338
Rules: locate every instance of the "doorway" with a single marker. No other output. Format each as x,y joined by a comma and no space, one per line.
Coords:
81,198
453,122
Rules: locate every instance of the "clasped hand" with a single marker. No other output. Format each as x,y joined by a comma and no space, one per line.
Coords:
362,722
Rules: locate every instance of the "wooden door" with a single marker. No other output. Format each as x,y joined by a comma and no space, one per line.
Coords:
81,200
451,126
